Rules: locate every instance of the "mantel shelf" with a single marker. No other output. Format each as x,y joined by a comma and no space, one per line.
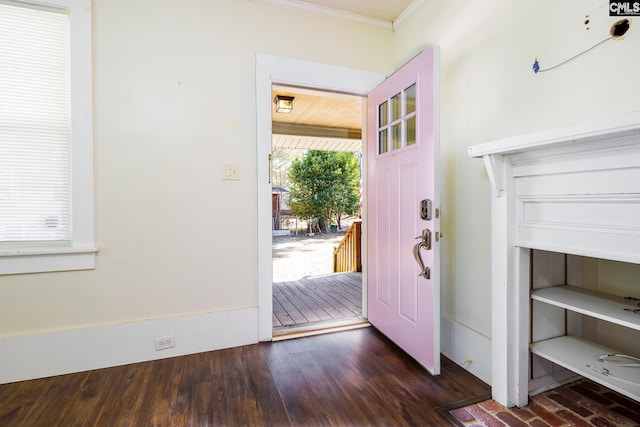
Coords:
602,129
592,303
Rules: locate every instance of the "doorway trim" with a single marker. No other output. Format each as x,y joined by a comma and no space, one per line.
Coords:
270,70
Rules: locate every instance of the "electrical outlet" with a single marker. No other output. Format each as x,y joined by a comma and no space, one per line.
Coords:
165,342
231,172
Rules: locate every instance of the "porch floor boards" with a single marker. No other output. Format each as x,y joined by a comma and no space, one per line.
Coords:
317,299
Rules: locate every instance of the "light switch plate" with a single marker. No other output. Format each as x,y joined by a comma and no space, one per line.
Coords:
231,172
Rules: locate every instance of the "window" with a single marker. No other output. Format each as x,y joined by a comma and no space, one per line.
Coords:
46,147
397,121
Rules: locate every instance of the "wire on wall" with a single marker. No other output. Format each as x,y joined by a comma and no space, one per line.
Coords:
536,65
618,29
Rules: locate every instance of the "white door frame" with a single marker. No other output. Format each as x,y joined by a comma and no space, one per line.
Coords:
273,69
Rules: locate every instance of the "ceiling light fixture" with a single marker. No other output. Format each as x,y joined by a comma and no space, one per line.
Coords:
284,104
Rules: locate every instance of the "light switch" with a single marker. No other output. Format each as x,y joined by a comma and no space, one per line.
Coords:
231,172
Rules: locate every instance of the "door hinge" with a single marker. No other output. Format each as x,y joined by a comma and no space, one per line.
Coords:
437,212
270,162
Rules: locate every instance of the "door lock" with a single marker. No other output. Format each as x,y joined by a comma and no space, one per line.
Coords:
425,209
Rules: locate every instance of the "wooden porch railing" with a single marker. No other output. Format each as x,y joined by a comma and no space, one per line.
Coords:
348,255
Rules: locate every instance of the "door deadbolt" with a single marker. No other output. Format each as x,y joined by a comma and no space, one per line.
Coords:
425,209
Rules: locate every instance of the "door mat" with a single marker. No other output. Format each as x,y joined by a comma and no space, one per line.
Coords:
582,403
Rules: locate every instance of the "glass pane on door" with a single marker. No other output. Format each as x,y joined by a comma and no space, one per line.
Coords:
396,107
383,142
411,130
396,136
410,99
383,114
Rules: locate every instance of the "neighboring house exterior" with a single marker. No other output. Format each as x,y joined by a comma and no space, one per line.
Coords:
279,206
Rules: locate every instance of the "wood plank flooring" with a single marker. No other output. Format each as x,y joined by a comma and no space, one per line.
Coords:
352,378
317,299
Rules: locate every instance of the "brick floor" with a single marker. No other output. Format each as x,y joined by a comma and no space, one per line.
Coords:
583,403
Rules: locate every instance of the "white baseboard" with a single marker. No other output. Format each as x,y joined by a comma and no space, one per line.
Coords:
62,352
467,348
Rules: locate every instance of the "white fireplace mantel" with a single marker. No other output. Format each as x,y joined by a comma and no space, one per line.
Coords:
574,190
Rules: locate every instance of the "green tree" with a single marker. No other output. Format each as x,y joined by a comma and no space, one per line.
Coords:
324,185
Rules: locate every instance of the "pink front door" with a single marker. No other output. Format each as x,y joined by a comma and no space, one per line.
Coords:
404,297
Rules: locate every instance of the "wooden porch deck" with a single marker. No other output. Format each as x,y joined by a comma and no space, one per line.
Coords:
329,297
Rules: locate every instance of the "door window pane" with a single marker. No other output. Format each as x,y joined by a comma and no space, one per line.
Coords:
410,99
396,107
383,144
383,114
411,130
396,136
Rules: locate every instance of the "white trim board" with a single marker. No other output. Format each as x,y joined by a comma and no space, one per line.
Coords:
62,352
466,348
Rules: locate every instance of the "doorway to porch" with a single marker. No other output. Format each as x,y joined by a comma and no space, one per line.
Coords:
317,259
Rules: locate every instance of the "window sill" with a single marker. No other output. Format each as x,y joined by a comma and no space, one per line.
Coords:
40,260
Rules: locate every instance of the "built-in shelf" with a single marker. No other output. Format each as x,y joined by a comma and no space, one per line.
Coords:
579,355
592,303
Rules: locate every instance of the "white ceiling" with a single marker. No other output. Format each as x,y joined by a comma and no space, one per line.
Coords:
383,10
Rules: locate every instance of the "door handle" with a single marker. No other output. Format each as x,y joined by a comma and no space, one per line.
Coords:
425,238
424,243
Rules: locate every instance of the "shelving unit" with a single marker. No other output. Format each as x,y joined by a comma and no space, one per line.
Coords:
577,354
580,355
592,303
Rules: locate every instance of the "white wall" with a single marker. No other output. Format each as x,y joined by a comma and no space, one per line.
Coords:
489,91
174,99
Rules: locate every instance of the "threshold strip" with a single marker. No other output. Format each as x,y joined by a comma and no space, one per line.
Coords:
318,329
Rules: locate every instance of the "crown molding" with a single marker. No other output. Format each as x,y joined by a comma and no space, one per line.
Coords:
319,10
408,11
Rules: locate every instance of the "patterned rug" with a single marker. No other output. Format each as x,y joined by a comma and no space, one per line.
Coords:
582,403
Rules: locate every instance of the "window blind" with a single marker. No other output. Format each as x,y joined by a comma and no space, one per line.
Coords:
35,193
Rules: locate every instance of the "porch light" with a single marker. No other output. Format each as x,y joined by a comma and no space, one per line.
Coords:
284,104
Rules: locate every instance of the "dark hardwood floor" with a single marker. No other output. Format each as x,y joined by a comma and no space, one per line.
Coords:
317,299
352,378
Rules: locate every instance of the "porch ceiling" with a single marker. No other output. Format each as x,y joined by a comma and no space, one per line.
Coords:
319,121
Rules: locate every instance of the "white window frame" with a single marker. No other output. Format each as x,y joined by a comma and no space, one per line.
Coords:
79,254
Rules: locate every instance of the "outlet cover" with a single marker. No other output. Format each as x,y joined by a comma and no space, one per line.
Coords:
165,342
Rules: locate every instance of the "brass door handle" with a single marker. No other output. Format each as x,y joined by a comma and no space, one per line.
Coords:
425,242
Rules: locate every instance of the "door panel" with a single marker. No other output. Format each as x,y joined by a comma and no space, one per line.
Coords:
402,148
383,256
408,188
